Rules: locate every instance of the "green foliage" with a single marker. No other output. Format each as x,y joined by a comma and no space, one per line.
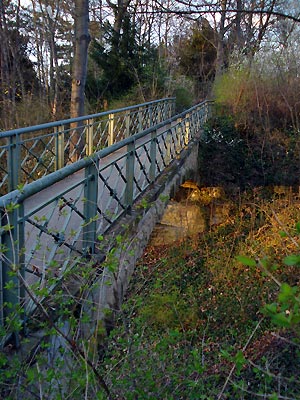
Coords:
196,53
259,101
292,260
284,312
121,68
184,99
231,90
223,155
191,326
246,261
231,154
58,362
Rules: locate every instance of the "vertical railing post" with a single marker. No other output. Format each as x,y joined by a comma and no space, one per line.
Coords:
153,145
90,207
13,163
192,125
173,106
127,124
129,175
163,111
187,129
199,117
178,135
169,108
209,110
111,129
150,114
10,267
204,114
21,244
140,118
89,138
59,147
159,113
154,114
168,147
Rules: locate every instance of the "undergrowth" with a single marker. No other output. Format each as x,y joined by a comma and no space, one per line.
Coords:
196,323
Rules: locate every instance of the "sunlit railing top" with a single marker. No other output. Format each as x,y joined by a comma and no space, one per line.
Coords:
50,224
82,118
27,154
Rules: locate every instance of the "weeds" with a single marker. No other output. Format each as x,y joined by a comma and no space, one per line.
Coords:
212,317
198,322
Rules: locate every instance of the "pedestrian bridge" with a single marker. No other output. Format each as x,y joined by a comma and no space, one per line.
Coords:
70,187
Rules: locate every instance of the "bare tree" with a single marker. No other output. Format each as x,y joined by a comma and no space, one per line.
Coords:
82,40
119,9
17,76
241,24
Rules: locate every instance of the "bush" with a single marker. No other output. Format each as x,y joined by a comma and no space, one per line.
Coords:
260,101
184,99
231,155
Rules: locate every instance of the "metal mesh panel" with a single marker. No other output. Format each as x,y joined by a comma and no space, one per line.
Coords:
39,150
100,139
112,184
55,224
3,169
142,169
38,157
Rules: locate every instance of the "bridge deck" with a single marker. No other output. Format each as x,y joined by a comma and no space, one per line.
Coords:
58,225
54,226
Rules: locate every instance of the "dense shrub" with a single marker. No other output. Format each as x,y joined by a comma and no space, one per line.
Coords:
260,101
231,156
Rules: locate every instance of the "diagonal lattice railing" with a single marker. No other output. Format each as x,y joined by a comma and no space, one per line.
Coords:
54,222
28,154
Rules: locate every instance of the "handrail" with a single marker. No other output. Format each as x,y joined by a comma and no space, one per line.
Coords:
35,128
45,232
27,154
40,184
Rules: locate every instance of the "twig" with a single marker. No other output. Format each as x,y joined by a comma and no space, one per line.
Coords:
73,346
263,395
283,228
284,339
233,367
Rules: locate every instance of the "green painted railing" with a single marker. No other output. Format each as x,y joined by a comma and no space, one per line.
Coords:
54,222
30,153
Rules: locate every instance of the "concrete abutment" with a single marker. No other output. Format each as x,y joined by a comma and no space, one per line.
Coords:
135,231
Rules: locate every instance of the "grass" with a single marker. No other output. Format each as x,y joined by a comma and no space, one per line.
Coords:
192,325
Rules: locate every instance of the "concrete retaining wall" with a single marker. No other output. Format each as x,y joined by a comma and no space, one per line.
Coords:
135,230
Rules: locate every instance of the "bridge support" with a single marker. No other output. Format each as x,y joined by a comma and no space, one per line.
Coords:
135,231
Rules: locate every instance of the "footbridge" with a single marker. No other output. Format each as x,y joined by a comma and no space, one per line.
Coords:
75,190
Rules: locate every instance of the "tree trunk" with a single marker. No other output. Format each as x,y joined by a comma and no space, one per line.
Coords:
220,45
82,39
238,22
4,73
120,10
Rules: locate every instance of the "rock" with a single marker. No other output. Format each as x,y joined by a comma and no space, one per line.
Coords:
189,217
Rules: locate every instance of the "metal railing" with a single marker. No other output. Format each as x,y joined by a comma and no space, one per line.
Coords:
30,153
55,221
